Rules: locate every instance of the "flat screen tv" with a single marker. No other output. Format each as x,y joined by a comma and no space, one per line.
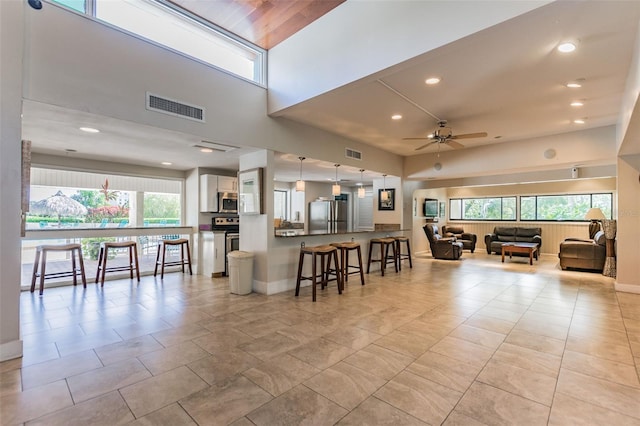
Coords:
430,208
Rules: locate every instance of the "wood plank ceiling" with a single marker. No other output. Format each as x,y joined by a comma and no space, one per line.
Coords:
262,22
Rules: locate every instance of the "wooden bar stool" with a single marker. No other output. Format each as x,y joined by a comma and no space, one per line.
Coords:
401,256
344,249
41,251
384,244
325,254
104,254
167,244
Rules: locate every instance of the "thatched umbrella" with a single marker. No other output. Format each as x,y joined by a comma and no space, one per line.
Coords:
58,205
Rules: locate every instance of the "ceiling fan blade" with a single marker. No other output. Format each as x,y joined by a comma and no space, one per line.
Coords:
425,145
454,144
417,139
470,135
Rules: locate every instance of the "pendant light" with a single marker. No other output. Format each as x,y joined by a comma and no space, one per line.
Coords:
335,189
300,182
384,195
361,190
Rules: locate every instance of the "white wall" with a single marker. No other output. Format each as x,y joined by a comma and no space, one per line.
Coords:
11,20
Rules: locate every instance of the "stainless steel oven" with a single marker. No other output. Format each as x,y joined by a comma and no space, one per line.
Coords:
231,227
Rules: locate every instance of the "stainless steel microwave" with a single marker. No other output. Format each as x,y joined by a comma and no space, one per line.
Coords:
227,202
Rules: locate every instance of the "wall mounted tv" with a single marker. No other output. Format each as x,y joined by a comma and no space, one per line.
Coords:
430,208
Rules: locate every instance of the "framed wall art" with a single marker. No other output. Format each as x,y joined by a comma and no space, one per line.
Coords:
250,195
390,202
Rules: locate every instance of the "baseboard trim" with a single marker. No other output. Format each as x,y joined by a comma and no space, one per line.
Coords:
10,350
627,288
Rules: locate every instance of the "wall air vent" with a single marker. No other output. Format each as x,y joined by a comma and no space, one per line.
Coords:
352,153
206,146
175,108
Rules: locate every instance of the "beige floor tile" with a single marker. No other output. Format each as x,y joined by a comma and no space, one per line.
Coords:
536,342
503,314
617,353
452,373
217,341
497,325
172,415
107,410
106,379
406,343
620,398
51,371
89,341
463,350
35,402
242,421
321,353
486,338
280,374
528,359
269,346
172,357
176,335
616,372
305,332
10,365
570,411
493,406
376,412
526,383
299,405
456,418
129,348
158,391
425,331
345,384
380,361
422,398
218,370
353,337
537,325
261,327
223,405
10,382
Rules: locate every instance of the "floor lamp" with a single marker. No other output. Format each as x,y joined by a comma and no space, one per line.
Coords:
595,215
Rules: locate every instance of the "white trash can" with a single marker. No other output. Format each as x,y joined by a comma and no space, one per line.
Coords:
240,272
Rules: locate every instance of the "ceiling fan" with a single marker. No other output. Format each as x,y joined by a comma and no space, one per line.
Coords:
444,135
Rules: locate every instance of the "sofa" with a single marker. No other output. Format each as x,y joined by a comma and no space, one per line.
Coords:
442,248
468,240
511,234
583,254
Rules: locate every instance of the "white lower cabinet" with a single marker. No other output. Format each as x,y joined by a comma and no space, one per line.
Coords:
213,246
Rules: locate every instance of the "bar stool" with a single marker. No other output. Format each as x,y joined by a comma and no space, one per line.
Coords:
167,244
344,249
75,249
385,244
325,254
104,254
401,256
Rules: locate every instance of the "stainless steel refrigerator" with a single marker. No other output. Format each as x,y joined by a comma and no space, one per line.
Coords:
328,216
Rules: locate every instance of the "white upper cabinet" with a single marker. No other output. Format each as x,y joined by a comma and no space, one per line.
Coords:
227,184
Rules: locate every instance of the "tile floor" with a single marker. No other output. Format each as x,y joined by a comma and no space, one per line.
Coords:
463,342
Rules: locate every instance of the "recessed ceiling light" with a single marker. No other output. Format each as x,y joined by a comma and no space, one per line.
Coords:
207,150
566,47
70,150
432,80
166,163
574,85
396,117
89,130
579,121
497,137
577,103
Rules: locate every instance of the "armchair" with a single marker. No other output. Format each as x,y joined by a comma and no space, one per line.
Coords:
468,240
442,248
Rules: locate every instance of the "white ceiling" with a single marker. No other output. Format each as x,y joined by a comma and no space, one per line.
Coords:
507,81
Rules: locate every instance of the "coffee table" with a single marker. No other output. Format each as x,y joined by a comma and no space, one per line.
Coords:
530,248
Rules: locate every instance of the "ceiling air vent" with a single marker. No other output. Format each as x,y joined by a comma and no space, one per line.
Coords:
352,153
175,108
